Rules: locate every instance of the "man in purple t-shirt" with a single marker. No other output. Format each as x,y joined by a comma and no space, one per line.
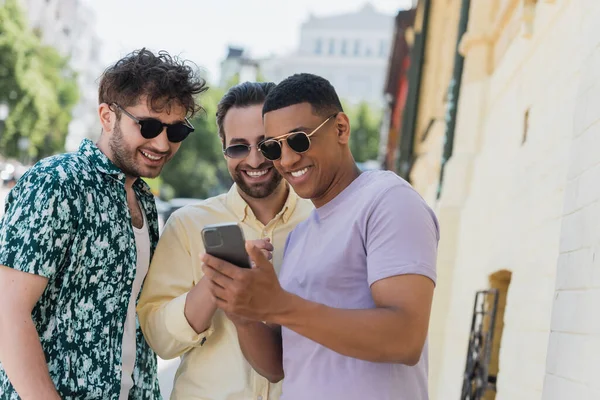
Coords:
348,319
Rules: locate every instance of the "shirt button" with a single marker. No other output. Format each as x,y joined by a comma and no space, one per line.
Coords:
129,281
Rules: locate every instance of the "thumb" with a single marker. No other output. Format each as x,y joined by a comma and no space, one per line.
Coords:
256,255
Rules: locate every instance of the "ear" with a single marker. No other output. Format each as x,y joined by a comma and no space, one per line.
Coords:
342,126
222,139
108,118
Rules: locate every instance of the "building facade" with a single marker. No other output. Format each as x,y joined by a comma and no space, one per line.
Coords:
350,50
396,88
237,67
505,149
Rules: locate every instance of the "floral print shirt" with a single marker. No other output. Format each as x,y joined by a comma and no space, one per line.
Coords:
67,219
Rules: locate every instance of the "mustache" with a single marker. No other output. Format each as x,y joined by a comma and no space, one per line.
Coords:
262,166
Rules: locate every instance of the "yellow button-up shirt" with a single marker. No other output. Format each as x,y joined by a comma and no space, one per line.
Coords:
212,364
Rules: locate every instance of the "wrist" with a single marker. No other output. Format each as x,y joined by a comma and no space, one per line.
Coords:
243,324
287,307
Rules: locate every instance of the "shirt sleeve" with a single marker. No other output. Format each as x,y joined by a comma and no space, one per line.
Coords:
41,217
162,301
402,236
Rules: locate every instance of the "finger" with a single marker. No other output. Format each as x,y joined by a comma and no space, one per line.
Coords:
218,292
263,244
216,277
211,273
223,305
221,266
268,254
256,255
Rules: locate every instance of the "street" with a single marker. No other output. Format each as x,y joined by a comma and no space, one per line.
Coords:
166,374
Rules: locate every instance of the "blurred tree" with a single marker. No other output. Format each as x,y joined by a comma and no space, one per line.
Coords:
199,170
36,84
364,139
260,77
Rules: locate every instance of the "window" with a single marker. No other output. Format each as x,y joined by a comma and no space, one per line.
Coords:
318,46
343,49
357,47
331,47
382,48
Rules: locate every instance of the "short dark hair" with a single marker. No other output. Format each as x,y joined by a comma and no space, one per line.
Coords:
162,78
304,88
242,95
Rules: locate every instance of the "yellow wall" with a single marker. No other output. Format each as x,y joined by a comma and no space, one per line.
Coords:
509,204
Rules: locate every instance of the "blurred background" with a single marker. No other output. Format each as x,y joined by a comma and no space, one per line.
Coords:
54,51
489,108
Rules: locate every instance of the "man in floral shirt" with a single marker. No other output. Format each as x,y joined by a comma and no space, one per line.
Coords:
77,238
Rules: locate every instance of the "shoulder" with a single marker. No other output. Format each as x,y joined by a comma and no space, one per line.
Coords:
387,188
68,169
205,212
62,175
396,201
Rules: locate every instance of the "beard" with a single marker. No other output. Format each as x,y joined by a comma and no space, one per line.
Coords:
257,190
126,158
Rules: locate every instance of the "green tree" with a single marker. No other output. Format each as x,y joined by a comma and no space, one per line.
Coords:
364,122
199,170
36,84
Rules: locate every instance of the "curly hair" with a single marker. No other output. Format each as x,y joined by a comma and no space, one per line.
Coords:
242,95
163,79
304,88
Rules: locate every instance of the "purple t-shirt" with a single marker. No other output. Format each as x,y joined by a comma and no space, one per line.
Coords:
378,227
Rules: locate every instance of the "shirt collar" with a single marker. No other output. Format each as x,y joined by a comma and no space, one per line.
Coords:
239,206
102,163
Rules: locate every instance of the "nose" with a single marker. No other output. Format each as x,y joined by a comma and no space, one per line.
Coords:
288,156
255,158
161,142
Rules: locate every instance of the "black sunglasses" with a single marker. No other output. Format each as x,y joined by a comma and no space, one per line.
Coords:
298,141
151,127
238,150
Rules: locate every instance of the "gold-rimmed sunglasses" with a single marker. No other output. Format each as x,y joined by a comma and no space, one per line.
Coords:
298,142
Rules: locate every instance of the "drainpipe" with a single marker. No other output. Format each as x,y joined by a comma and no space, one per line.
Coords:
409,120
454,93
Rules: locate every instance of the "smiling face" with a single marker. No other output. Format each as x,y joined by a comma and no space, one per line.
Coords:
253,174
312,174
133,154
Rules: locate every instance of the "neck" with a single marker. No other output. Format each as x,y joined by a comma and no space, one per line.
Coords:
347,173
103,146
265,209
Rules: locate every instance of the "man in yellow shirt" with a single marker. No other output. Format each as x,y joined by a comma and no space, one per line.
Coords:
176,310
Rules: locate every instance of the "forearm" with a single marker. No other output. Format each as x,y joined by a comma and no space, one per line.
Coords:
174,326
377,335
261,345
23,359
200,306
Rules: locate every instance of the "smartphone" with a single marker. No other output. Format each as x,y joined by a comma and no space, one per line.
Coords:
226,241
